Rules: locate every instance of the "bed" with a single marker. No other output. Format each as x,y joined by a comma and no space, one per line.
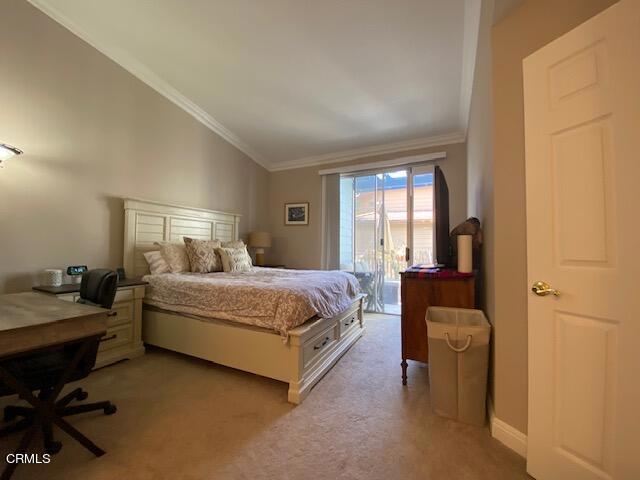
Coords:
182,312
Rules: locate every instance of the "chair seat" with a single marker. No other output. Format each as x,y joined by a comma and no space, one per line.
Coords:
42,370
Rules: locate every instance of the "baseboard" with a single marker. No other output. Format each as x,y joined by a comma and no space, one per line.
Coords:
505,433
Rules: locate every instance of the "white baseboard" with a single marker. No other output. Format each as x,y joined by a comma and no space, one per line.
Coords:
505,433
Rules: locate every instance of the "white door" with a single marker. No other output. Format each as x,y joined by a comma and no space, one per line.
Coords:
582,125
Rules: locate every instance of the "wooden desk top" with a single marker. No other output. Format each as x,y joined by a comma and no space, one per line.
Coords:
32,320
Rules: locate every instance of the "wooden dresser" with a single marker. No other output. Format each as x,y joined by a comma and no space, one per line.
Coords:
420,290
124,330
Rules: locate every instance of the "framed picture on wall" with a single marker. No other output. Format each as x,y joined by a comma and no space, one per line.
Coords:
296,213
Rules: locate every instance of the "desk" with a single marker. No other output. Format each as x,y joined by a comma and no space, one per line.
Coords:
31,323
30,320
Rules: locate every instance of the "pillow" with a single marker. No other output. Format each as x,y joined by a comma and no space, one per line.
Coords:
235,259
202,255
175,254
156,263
233,244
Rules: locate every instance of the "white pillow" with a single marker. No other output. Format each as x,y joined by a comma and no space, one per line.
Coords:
175,254
235,259
156,263
232,244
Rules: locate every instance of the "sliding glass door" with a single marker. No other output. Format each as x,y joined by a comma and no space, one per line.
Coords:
422,231
382,215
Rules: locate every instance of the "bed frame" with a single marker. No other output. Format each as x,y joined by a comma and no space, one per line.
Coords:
311,349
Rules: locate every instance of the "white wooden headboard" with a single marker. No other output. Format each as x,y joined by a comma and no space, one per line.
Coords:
146,222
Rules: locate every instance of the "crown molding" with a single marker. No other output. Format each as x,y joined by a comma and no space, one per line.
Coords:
138,70
347,155
144,74
400,161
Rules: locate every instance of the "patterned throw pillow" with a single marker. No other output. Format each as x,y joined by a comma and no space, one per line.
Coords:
202,255
156,263
235,259
175,254
233,244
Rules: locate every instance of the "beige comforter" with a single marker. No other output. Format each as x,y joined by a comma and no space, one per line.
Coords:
272,298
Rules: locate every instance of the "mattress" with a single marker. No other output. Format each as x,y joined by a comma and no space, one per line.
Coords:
272,298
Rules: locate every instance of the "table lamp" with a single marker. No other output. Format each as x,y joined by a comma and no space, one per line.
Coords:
260,241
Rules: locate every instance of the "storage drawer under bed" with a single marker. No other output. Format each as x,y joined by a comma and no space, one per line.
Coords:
319,344
349,322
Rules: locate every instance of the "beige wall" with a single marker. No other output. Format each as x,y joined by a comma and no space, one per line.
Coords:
480,161
300,246
91,133
527,29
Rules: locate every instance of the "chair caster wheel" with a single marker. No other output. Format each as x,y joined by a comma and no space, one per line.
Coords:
53,447
110,410
82,395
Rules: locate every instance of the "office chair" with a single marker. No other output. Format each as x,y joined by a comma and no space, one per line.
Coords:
48,369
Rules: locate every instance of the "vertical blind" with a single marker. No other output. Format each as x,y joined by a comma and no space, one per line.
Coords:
331,221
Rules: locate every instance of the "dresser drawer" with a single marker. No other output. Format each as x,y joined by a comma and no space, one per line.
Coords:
319,344
349,322
123,314
123,296
123,337
117,337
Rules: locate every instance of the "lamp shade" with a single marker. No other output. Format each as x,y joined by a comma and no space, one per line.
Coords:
260,239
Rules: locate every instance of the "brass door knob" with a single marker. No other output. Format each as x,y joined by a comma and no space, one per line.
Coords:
543,289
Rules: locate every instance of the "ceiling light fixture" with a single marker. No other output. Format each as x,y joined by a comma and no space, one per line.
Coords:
7,151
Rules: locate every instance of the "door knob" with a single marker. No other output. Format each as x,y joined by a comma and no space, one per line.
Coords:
543,289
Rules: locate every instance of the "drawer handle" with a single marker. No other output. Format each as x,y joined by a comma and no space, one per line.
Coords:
110,337
318,347
349,323
112,314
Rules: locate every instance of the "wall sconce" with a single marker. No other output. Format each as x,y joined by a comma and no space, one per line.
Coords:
6,152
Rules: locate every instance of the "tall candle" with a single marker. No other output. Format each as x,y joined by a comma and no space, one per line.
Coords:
465,254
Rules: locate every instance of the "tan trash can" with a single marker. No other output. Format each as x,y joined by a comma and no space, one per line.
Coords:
458,362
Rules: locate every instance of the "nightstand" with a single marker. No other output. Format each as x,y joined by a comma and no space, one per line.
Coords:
124,330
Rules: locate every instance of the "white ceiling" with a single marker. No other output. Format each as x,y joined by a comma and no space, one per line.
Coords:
294,82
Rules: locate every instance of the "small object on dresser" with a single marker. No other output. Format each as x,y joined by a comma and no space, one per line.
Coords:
121,273
465,254
74,273
472,227
51,277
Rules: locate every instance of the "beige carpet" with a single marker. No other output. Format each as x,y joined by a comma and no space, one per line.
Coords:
184,418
